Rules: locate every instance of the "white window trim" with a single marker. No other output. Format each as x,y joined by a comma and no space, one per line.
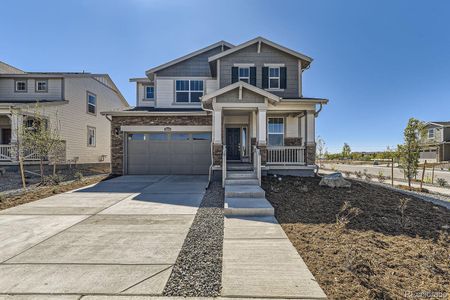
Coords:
145,92
276,133
274,65
20,91
36,85
89,128
433,130
239,74
189,91
277,77
87,103
239,65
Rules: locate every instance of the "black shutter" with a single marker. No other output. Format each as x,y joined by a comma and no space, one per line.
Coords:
282,77
253,76
234,74
265,77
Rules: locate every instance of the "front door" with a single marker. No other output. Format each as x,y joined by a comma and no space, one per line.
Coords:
233,137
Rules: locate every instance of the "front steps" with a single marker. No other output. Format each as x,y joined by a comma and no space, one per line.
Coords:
243,195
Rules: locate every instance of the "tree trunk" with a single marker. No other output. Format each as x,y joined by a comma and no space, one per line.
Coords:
41,165
54,169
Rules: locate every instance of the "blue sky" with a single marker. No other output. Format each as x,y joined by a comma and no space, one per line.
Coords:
379,62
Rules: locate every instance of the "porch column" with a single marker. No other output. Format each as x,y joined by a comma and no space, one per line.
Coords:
302,121
217,137
262,127
16,127
310,137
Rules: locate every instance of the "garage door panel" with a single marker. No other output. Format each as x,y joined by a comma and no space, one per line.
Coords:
174,153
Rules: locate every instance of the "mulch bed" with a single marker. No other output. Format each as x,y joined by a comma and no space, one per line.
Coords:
365,242
198,269
40,192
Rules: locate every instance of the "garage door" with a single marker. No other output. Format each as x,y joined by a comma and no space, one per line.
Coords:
168,153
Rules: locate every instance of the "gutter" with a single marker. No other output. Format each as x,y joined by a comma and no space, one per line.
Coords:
316,114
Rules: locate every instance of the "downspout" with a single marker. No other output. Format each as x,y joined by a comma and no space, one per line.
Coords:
316,114
212,142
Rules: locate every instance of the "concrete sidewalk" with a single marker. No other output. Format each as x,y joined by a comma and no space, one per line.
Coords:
121,236
260,261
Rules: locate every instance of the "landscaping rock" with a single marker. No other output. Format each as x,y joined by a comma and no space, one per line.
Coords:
334,180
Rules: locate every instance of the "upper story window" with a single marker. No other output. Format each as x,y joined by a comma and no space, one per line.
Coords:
20,85
275,131
91,103
244,74
41,85
274,77
188,91
431,133
149,92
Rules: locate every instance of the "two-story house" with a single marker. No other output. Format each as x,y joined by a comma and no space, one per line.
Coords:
69,102
435,144
221,104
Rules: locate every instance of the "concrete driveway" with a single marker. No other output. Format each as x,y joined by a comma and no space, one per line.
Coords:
121,236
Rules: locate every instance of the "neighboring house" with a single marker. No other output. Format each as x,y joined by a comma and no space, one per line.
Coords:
71,102
435,144
244,99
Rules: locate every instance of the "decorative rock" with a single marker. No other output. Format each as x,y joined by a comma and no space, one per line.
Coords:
334,180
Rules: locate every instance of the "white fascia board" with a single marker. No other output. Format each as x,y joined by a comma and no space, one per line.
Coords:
243,85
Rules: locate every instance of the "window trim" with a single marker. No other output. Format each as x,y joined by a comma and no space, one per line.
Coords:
276,133
433,130
239,73
20,80
189,91
36,81
277,77
87,103
95,136
145,98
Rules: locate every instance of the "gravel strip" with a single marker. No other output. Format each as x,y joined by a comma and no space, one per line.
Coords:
198,269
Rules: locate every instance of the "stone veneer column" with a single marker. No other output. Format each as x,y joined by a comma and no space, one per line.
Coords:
310,154
217,154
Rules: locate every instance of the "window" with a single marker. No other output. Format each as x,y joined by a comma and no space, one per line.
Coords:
204,136
244,74
20,85
431,133
91,136
158,136
41,85
149,92
274,78
188,91
275,131
136,137
91,103
180,137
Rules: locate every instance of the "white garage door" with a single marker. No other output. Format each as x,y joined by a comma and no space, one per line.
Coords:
168,153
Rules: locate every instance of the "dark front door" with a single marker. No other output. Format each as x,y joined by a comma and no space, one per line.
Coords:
233,136
6,136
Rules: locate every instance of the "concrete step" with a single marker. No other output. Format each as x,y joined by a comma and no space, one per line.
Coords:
241,175
244,191
248,207
241,181
239,167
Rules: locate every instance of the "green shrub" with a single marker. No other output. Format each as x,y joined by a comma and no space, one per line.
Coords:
381,177
53,179
441,182
78,176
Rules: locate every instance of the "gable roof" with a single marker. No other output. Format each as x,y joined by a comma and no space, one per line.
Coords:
441,124
192,54
241,84
8,69
260,39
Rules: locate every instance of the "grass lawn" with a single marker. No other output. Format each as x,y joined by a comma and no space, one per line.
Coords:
365,242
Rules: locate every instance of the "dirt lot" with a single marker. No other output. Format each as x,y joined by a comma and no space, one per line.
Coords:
378,247
39,192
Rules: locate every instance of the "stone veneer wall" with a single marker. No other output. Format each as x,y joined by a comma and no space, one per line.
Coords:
311,154
117,141
292,141
217,154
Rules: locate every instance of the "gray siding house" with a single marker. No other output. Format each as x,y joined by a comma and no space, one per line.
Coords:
435,145
220,105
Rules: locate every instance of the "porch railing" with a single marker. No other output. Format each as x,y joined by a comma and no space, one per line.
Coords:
8,153
224,165
286,155
5,152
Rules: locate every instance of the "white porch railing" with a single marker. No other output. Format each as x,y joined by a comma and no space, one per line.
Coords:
286,155
5,152
257,163
224,165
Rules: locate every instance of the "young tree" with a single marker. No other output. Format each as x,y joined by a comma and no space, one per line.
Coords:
320,147
409,151
346,151
41,138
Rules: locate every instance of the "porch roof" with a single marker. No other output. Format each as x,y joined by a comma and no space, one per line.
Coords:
240,85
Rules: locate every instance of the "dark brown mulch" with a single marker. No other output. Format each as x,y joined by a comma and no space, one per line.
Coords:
381,253
40,192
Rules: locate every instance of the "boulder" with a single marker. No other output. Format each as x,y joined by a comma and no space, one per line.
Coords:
335,180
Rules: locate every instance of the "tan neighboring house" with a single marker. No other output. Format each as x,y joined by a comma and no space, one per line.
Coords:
222,104
435,144
71,102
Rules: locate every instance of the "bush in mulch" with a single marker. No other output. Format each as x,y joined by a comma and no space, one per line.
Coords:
364,242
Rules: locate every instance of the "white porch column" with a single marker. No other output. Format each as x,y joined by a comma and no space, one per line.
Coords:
217,127
16,127
302,121
262,127
310,127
